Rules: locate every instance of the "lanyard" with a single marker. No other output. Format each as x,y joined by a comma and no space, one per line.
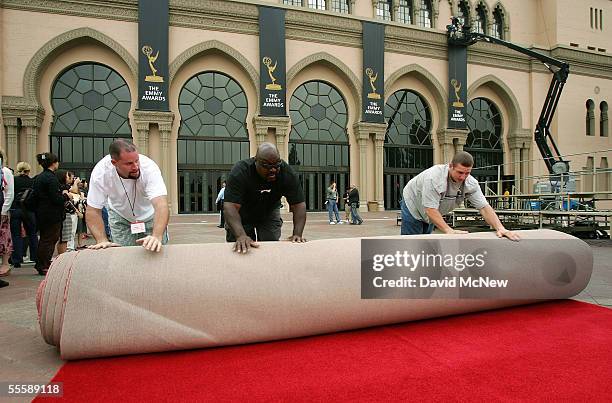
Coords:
132,205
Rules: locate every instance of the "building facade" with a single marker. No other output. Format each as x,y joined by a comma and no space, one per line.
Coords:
69,84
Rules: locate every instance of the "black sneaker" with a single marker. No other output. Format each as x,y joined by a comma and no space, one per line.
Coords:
17,266
3,283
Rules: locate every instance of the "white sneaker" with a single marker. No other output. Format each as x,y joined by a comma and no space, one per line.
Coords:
332,223
340,222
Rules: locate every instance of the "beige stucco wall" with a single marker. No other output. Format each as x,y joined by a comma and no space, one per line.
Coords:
26,32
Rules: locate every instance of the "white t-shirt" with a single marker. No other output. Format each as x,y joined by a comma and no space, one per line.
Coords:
124,194
430,189
8,186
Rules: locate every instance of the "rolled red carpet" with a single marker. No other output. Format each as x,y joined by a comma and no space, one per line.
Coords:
552,351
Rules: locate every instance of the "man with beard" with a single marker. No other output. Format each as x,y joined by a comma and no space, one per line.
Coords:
131,186
252,200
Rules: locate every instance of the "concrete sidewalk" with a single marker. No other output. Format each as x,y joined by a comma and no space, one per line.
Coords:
25,357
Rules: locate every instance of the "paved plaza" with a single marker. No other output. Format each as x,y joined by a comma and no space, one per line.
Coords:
26,357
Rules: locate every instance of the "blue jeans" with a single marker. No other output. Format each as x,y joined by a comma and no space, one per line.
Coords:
332,208
355,214
28,219
107,229
412,226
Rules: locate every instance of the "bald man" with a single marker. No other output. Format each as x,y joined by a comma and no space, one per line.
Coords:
252,200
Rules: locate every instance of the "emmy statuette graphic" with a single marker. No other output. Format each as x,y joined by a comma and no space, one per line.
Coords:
457,86
154,78
370,73
268,63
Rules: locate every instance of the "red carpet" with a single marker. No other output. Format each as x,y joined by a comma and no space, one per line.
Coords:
546,352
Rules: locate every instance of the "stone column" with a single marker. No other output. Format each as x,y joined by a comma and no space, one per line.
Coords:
363,131
515,153
362,139
32,121
451,141
519,143
379,160
165,129
261,132
281,126
142,138
12,150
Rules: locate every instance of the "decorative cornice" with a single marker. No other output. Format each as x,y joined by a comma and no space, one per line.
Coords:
272,120
411,40
520,138
364,129
506,95
143,119
36,66
215,45
430,82
121,10
447,135
336,64
216,15
13,108
323,28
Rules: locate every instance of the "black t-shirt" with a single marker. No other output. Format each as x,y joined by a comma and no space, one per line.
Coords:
256,196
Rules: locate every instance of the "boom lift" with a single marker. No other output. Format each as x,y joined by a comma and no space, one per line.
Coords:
459,34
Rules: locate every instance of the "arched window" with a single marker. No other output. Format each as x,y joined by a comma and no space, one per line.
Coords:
212,137
341,6
318,143
463,10
480,23
405,11
426,14
590,117
316,4
408,147
383,10
497,28
91,103
484,139
603,119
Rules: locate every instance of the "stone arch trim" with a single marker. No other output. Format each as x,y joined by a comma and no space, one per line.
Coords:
36,66
432,84
228,51
339,67
515,120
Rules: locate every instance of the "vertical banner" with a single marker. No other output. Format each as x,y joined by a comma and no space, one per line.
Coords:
272,64
457,86
153,55
373,76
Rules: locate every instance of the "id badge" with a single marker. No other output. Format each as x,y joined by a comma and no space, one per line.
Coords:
137,227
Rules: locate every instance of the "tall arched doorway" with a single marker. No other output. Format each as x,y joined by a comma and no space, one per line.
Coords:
91,103
212,137
408,148
484,140
318,142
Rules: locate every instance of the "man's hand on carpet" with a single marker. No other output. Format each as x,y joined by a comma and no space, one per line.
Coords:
456,231
243,243
508,234
103,245
296,239
150,242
